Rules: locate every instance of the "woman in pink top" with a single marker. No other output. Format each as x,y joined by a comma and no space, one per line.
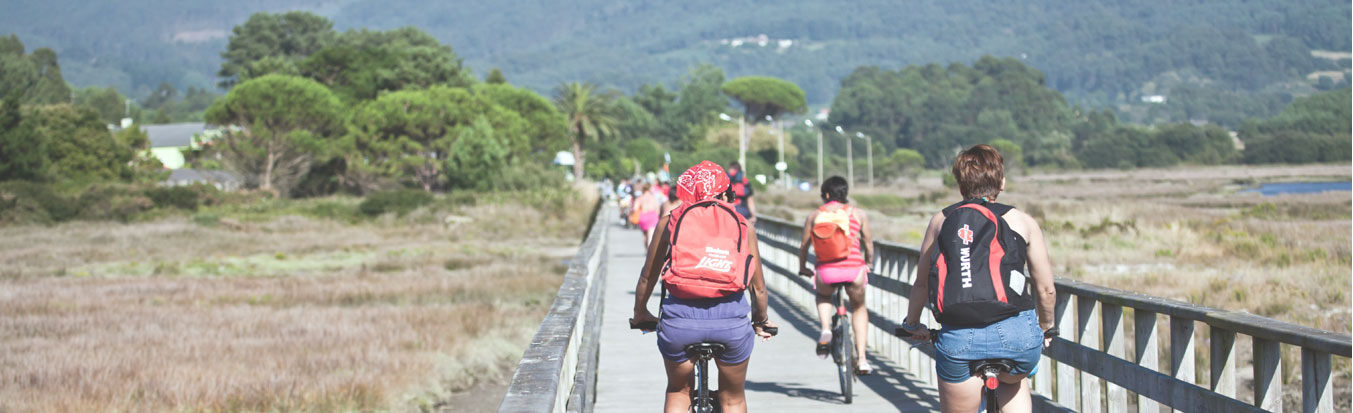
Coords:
853,269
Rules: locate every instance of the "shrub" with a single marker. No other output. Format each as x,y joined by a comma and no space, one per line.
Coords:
399,201
180,197
23,201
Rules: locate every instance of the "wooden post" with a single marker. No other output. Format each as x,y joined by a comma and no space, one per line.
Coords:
1113,344
1316,395
1181,349
1147,340
1088,311
1268,375
1223,362
1068,387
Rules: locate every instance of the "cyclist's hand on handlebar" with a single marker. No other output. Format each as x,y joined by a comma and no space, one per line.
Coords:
644,320
766,330
920,332
805,272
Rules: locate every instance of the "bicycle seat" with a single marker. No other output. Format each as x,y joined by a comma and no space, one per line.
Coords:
705,350
979,368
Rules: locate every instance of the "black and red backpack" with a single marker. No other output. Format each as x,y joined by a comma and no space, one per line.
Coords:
977,273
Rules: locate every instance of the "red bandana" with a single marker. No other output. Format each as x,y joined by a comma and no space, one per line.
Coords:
701,182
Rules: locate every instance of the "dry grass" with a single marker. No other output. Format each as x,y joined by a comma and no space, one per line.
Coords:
285,314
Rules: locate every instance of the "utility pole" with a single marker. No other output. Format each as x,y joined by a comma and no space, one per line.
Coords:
809,122
869,152
850,157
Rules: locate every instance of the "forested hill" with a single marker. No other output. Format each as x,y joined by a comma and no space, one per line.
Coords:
1097,52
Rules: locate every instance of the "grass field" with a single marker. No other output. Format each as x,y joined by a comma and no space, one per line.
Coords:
279,305
1189,233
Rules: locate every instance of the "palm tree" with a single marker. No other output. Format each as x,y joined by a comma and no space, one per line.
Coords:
589,115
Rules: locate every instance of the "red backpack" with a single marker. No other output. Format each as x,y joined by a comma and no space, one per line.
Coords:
709,253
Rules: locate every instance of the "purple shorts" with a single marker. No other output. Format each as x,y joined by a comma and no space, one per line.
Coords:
736,334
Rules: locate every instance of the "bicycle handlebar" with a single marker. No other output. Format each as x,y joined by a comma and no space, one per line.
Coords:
653,325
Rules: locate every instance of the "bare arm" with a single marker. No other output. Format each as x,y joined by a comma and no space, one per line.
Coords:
1041,267
867,237
920,290
648,277
807,239
758,286
751,206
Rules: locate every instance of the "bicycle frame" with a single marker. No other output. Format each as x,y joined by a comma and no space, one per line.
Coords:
843,343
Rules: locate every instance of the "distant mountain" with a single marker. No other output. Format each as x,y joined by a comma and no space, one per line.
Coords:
1097,52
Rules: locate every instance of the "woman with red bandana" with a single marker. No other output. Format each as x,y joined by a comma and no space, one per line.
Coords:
722,319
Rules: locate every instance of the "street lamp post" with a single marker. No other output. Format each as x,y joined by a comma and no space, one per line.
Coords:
742,140
809,122
869,153
850,157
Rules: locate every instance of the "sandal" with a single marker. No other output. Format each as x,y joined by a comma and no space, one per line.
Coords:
824,343
864,369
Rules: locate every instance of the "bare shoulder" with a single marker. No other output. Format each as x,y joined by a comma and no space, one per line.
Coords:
1021,222
937,220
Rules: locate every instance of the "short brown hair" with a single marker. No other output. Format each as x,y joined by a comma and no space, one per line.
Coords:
979,171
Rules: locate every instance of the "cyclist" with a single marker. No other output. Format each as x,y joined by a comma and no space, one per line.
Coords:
1015,332
648,203
850,264
742,191
720,319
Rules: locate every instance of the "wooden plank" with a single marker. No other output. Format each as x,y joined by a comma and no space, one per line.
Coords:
1223,361
1068,383
1181,395
1147,340
1268,379
1116,400
1316,395
1088,313
1181,349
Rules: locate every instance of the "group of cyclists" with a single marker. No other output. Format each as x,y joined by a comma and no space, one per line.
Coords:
984,273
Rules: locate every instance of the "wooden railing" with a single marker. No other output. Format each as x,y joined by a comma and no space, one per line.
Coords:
558,372
1090,368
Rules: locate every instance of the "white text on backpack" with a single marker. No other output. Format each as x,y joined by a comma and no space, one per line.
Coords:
717,260
965,266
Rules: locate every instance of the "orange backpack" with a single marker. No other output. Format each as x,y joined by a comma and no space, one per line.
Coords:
831,234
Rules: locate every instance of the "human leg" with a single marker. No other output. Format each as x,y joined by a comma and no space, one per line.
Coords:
1014,397
732,379
964,396
678,386
859,313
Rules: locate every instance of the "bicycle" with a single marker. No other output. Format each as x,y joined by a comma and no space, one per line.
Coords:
703,400
989,370
842,345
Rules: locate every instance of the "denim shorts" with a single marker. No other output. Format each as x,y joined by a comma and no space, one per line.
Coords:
1017,338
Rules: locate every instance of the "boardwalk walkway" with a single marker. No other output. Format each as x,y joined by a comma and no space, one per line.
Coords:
784,376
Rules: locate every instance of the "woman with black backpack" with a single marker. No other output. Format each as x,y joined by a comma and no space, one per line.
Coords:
975,257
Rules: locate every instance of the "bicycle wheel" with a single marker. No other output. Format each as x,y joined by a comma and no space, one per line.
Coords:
846,366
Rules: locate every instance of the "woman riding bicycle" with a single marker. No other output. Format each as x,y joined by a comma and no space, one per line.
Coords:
699,311
842,261
1010,327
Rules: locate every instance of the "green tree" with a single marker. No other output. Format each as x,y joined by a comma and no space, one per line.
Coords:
477,157
496,77
23,152
280,124
763,96
546,133
110,105
37,76
80,147
588,114
273,43
904,162
361,64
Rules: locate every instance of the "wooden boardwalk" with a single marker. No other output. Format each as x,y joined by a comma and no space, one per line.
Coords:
785,375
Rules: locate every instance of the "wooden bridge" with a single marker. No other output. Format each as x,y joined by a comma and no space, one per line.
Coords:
585,358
